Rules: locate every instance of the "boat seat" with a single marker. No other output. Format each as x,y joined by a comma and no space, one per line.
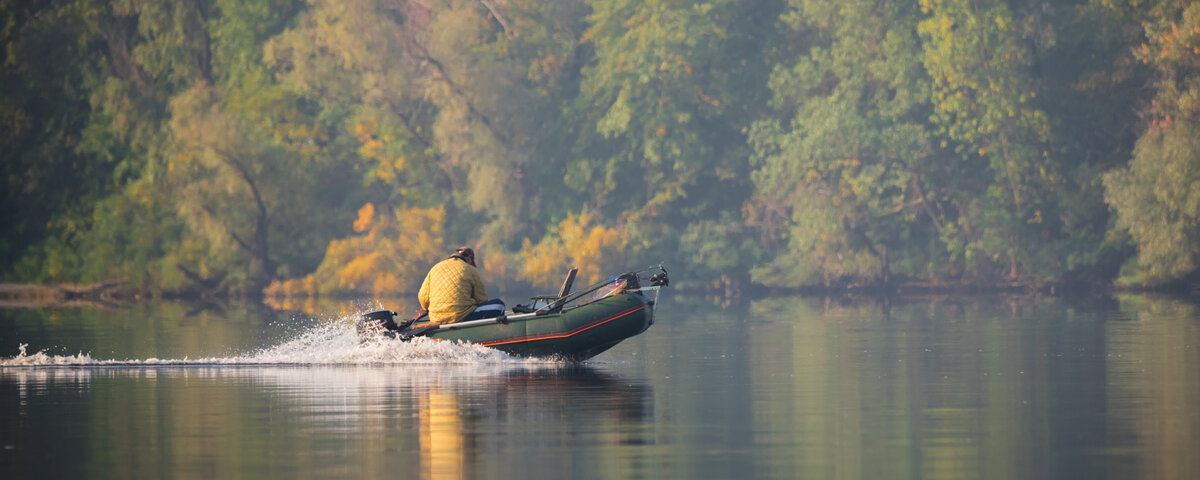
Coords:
541,300
567,282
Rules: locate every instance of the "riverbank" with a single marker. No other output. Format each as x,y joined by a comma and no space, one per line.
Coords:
26,295
111,294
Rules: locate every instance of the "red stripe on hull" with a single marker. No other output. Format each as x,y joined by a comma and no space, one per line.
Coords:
551,336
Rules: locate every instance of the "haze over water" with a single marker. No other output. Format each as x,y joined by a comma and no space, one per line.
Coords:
958,387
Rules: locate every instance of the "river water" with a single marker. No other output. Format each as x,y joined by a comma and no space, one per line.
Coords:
1003,387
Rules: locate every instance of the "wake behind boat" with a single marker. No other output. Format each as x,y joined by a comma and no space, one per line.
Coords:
570,326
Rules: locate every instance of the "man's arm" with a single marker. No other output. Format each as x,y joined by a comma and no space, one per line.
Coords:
478,293
423,294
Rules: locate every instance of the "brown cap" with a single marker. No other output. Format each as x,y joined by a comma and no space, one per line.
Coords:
466,254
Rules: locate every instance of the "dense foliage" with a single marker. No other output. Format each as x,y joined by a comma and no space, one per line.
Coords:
318,146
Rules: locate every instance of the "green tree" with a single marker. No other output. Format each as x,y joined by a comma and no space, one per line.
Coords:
671,86
110,141
911,141
1157,197
840,192
1088,85
979,56
205,143
245,164
49,180
432,98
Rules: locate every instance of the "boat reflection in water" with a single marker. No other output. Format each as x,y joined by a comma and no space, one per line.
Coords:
533,415
441,435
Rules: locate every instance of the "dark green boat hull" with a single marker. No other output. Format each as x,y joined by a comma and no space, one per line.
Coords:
575,333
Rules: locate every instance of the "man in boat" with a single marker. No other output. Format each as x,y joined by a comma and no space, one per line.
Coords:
453,292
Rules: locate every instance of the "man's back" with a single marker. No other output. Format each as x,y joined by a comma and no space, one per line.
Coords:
451,290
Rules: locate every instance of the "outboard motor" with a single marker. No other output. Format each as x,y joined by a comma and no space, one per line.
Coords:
376,322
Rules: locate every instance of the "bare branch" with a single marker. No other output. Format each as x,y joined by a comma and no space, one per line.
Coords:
496,14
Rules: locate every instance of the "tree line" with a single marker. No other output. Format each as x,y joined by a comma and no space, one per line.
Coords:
331,146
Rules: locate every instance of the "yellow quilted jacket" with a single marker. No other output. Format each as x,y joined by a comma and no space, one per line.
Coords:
451,290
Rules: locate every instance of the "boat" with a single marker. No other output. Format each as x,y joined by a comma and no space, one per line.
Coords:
570,326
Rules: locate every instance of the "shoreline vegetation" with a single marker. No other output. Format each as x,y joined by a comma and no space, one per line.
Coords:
26,295
111,294
310,148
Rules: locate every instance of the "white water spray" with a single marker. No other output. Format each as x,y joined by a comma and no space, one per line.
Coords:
333,343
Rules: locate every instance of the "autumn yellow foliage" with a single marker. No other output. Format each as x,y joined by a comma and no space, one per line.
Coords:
390,256
366,215
591,248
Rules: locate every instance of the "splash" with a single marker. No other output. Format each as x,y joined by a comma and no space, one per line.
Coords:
40,358
333,343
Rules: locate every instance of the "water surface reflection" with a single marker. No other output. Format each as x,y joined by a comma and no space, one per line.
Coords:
979,387
976,387
429,421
